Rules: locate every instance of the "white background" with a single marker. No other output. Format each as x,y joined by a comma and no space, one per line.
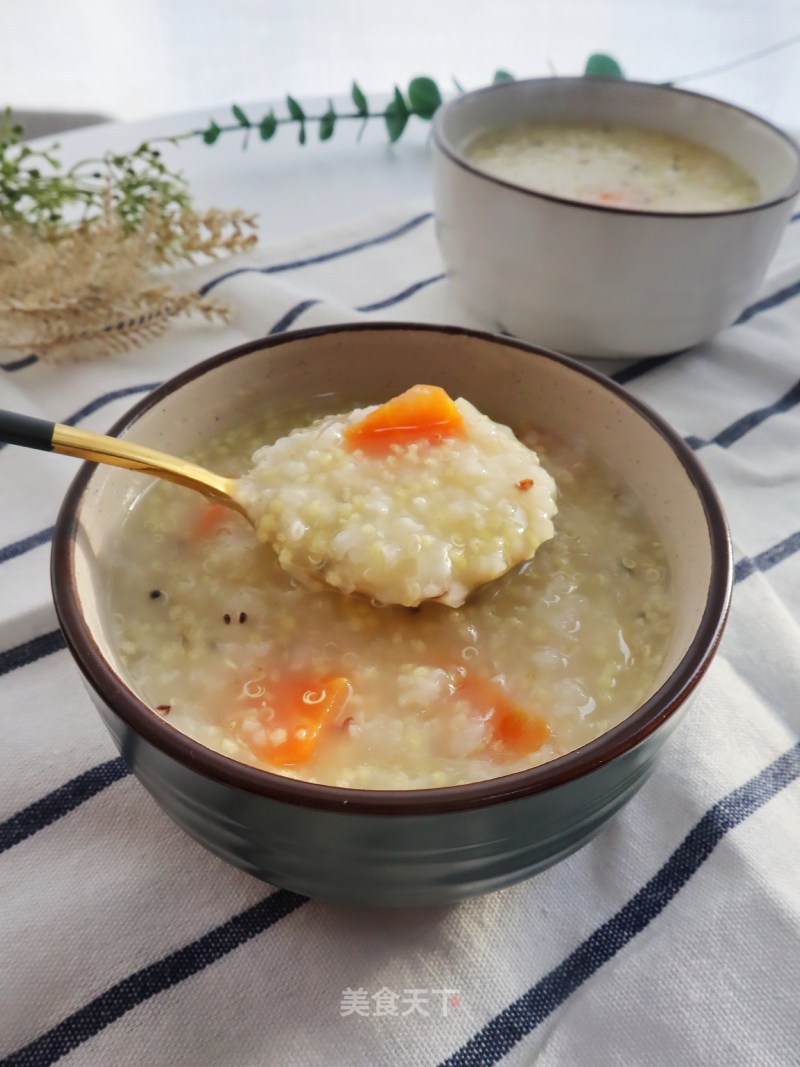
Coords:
149,57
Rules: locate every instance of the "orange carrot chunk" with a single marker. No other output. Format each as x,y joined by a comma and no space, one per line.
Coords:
304,707
421,413
517,731
212,518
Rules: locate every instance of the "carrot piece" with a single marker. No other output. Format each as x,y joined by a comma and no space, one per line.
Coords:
304,707
618,198
212,518
421,413
518,731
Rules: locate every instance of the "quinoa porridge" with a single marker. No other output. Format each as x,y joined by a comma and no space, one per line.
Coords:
421,498
237,653
614,164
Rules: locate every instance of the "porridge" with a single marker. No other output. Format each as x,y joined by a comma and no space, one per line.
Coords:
421,498
237,653
614,164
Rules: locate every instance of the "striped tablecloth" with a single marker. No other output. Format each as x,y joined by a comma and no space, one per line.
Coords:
672,939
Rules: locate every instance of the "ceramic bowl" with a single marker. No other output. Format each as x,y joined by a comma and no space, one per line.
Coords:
397,847
593,280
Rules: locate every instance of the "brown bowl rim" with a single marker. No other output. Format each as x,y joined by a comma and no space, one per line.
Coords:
632,731
447,149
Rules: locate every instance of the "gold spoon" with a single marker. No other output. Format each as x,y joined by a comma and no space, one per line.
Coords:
24,430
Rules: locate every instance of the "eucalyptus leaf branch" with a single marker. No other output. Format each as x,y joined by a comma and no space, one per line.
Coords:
38,194
421,99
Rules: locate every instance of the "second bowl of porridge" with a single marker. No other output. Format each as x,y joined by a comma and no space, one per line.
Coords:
375,752
608,218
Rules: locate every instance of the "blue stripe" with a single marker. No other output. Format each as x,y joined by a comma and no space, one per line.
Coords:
102,401
294,313
19,548
30,651
769,302
522,1017
324,257
767,559
642,366
61,801
291,316
19,364
108,398
139,987
736,430
398,298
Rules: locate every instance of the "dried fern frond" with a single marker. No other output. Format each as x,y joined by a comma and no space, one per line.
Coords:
99,288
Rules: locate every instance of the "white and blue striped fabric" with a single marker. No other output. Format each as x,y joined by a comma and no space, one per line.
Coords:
672,939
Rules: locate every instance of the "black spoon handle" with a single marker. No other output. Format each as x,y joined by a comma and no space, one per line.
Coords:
66,440
24,430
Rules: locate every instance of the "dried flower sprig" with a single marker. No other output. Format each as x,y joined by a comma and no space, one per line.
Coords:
110,299
83,251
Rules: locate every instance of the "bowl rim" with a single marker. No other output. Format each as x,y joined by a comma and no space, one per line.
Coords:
107,684
455,156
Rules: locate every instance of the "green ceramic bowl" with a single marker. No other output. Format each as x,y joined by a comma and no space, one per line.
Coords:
413,847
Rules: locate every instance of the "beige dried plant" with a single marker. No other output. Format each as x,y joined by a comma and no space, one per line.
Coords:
80,292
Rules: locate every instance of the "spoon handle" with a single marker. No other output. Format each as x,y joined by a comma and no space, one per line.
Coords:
16,429
24,430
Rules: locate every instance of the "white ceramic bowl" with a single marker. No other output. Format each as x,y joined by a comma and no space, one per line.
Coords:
593,280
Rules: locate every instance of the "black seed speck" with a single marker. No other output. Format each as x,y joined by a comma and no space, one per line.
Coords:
226,619
242,616
155,594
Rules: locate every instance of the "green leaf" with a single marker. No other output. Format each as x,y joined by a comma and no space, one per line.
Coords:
501,76
295,110
395,123
396,116
327,123
301,133
362,107
424,97
398,100
268,126
599,65
211,134
240,116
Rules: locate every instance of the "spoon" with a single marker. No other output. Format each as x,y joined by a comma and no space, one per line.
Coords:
29,432
403,584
